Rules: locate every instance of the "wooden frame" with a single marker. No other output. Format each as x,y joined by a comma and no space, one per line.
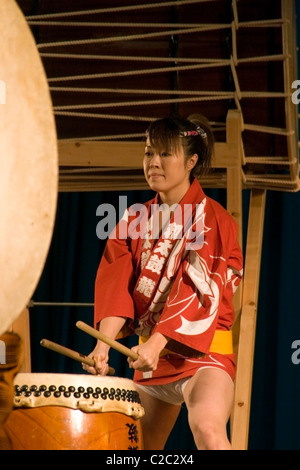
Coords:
247,324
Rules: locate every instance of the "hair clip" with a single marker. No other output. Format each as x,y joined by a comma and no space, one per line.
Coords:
198,131
202,132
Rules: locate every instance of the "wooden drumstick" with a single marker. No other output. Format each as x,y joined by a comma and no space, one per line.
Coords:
72,354
111,342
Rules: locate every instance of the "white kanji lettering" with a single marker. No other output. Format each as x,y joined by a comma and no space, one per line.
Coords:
155,264
163,247
146,286
144,256
173,231
146,244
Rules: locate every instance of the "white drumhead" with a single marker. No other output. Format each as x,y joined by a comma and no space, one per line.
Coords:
28,164
89,393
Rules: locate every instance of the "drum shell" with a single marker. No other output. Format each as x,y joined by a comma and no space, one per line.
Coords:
56,428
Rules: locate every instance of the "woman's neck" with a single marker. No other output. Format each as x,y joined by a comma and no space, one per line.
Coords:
173,197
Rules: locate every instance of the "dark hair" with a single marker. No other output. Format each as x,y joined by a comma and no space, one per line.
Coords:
193,133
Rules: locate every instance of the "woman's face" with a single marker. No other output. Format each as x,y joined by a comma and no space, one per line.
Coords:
167,172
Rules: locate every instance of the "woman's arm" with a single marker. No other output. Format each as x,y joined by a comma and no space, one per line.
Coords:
148,353
110,326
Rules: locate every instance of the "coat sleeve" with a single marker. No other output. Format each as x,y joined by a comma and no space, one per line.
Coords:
114,283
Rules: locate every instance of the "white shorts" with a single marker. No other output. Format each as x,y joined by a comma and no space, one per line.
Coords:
171,392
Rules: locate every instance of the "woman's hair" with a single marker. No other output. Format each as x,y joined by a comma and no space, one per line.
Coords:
193,133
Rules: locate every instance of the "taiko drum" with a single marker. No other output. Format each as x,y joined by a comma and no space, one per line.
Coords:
74,412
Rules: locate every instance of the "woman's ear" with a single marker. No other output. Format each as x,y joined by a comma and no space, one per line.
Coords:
192,161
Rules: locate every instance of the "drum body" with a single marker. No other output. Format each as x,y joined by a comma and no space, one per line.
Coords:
74,412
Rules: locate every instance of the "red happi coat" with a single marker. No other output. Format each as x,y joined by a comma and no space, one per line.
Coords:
180,284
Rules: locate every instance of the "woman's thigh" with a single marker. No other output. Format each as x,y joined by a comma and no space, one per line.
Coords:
209,396
158,421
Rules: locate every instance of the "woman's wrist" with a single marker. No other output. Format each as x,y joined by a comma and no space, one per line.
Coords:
102,347
159,340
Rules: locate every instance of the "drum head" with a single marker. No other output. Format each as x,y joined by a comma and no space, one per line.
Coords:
28,164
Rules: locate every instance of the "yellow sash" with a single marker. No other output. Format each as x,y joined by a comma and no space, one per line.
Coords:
221,343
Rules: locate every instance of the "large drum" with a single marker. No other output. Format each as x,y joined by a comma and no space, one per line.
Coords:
74,412
28,164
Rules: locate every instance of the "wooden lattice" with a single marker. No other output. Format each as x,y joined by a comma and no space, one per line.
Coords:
112,69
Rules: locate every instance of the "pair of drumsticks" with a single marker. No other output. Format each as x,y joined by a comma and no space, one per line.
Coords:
86,359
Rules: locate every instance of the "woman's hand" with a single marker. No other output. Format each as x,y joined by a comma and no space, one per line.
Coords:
110,326
148,353
100,356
